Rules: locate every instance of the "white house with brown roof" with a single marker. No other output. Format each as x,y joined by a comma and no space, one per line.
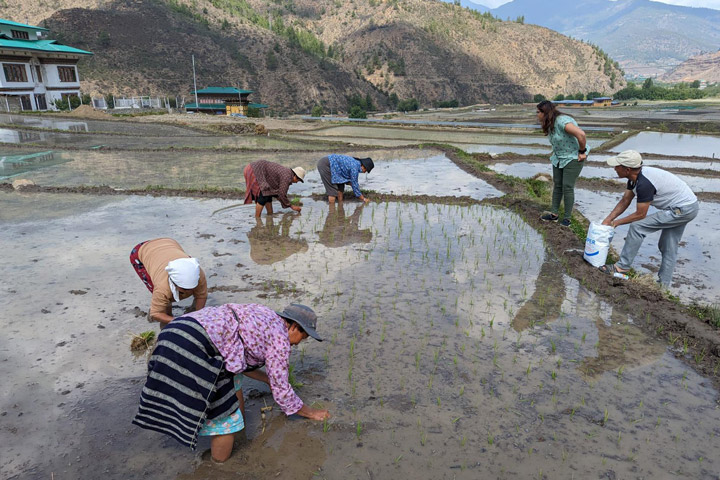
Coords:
35,71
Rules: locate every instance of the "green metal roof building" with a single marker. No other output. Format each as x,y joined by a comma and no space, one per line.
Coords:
35,71
223,101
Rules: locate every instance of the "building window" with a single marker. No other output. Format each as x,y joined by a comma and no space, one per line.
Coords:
15,72
41,102
25,102
38,73
20,34
67,74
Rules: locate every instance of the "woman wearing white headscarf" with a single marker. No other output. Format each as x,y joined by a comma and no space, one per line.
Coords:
170,274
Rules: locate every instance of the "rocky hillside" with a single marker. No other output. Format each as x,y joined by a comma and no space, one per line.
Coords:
646,37
700,67
298,53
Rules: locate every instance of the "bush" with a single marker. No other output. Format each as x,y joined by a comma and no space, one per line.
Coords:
86,99
110,101
317,111
409,105
357,112
62,104
253,112
448,104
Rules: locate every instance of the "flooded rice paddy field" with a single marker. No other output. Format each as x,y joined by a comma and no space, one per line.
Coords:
184,169
672,144
434,175
529,170
107,126
455,348
150,141
363,134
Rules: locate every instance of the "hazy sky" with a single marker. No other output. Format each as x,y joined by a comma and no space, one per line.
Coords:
688,3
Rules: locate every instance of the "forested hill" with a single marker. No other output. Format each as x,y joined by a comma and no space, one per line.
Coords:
298,53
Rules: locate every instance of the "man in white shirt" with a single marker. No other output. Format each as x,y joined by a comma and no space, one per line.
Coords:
677,205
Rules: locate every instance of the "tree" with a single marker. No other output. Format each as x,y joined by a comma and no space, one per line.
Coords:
559,97
647,84
369,103
591,95
357,112
409,105
695,84
539,98
393,100
317,111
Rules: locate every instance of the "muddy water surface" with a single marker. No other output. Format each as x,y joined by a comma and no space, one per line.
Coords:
453,349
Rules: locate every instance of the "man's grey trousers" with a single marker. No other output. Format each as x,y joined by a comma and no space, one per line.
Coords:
672,225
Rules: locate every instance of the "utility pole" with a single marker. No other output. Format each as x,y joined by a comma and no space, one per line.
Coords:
197,105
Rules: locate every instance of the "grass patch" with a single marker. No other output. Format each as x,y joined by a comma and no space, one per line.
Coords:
707,313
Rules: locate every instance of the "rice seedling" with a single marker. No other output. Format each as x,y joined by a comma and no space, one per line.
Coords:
142,341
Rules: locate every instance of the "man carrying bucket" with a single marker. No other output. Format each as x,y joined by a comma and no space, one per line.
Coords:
677,205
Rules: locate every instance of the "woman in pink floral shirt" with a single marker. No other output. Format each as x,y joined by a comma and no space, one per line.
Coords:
249,336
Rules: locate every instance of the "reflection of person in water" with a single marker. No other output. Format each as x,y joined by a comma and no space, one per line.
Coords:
270,243
340,230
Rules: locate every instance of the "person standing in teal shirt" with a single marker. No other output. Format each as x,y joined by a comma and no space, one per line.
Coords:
568,157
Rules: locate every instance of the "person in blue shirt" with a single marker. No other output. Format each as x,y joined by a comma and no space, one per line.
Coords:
336,171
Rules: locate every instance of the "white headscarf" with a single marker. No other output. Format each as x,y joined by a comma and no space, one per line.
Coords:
183,273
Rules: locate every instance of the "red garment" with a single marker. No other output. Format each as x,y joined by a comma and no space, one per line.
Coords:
273,180
252,187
